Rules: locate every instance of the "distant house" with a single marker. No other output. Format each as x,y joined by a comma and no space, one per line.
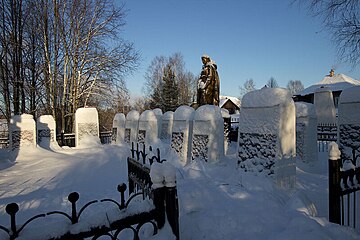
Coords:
232,104
336,83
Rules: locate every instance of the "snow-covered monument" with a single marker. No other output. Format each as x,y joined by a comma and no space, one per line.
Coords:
181,136
166,126
208,129
158,114
148,128
131,126
22,131
46,131
349,124
306,132
266,142
118,129
86,125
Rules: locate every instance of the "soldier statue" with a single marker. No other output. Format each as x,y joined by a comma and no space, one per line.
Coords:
208,84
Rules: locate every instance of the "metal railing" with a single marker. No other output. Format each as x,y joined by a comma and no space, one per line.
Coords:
344,183
164,199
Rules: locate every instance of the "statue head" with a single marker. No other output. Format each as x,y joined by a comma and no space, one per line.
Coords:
205,59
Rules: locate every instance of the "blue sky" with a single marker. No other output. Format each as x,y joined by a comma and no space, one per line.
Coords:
256,39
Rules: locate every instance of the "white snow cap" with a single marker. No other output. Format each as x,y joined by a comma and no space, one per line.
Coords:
19,118
119,117
133,115
304,109
207,112
148,115
350,95
184,113
265,97
169,115
157,111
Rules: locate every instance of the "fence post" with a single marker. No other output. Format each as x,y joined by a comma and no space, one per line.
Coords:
334,183
172,209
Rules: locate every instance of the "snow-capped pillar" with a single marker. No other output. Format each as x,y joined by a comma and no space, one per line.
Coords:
166,126
306,132
181,136
131,126
266,142
22,131
46,131
118,130
86,124
324,106
349,124
208,134
148,129
334,183
158,114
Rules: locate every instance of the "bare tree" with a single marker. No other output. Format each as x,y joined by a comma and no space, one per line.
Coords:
272,83
342,19
249,85
295,86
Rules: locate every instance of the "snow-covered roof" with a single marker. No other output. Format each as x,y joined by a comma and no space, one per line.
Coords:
224,99
338,82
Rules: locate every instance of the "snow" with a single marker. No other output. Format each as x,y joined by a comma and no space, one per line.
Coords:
260,98
338,82
350,95
216,201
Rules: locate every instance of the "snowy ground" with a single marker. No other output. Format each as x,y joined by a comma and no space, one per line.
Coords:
217,201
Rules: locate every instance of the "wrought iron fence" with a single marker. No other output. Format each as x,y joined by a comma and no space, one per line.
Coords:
139,180
68,139
344,183
164,206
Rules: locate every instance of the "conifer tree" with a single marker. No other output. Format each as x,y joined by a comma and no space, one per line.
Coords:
170,91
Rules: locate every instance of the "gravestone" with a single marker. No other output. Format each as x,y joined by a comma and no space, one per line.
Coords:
158,113
118,131
148,129
86,127
227,127
324,106
166,126
306,132
46,132
131,126
22,131
181,136
266,142
349,124
208,134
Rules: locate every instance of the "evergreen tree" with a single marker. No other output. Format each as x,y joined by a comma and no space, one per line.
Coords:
170,90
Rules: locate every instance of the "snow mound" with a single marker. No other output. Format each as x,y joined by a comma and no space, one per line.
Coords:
265,97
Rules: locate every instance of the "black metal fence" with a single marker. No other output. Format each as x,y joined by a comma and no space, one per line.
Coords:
326,133
344,182
68,139
139,180
165,206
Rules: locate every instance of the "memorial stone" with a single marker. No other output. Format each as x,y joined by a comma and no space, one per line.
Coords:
181,136
266,142
86,126
118,131
131,126
148,129
208,134
22,131
306,132
324,106
166,126
349,125
46,132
